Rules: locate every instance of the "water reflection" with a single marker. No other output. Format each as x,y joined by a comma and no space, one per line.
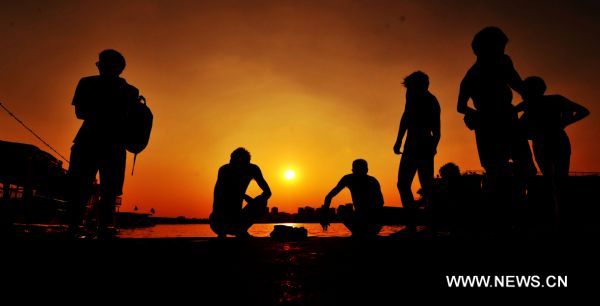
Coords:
257,230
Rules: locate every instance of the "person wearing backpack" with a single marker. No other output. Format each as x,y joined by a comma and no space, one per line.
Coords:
103,102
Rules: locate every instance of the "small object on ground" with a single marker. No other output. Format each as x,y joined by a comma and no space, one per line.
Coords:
107,234
244,236
405,232
289,233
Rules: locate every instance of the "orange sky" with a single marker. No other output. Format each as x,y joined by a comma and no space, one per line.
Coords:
310,85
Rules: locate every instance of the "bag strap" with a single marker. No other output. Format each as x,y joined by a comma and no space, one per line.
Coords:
133,167
140,99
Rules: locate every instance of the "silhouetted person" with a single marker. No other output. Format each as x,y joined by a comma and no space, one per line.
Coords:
228,216
449,171
102,102
421,124
367,200
448,198
546,117
488,83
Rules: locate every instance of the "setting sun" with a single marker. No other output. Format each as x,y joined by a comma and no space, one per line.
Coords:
289,175
306,87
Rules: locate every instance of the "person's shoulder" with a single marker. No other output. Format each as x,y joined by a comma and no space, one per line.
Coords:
130,88
506,59
554,97
433,98
128,84
347,178
471,72
373,179
88,80
556,100
551,99
507,63
254,168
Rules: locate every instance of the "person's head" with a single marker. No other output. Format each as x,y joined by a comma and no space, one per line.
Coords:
110,63
240,156
533,86
360,167
490,41
449,170
417,81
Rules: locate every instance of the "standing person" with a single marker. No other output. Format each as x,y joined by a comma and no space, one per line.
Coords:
546,117
367,200
102,102
488,83
228,216
421,124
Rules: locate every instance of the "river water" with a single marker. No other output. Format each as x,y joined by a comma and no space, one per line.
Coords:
257,230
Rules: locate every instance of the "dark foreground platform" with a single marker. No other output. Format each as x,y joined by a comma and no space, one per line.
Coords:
260,271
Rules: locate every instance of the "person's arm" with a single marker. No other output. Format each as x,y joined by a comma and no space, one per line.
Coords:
219,184
325,208
464,94
132,96
219,191
339,187
514,79
521,107
436,129
471,118
401,133
572,112
83,108
262,183
379,196
403,126
247,198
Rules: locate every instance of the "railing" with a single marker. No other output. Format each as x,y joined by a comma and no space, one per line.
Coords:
14,191
584,173
572,173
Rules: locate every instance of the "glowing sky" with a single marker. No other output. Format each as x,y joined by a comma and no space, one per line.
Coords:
303,85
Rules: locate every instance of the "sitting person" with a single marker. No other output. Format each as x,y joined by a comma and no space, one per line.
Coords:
366,197
444,198
228,216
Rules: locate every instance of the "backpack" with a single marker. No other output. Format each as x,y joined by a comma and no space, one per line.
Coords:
138,127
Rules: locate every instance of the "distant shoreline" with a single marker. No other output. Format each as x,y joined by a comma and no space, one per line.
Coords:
183,220
207,222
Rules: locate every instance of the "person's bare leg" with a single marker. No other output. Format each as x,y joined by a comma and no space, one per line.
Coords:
425,172
406,175
105,215
82,171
